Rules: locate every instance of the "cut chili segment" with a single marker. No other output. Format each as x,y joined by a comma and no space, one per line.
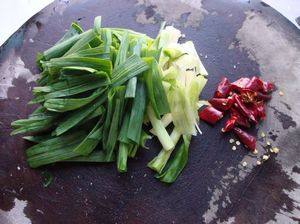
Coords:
223,89
248,140
210,115
222,104
230,123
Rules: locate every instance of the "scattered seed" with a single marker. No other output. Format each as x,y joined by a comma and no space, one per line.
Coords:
255,151
222,130
271,150
244,164
281,93
265,157
234,148
231,140
224,104
18,168
237,143
258,162
268,143
262,134
275,150
234,66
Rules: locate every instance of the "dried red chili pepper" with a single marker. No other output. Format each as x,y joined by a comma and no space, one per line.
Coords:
221,103
258,85
261,110
223,89
210,115
241,120
240,84
230,123
243,109
248,140
258,110
255,84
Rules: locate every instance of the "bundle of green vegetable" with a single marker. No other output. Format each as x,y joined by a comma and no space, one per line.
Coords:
98,88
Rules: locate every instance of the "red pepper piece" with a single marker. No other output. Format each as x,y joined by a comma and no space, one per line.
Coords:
258,85
230,123
223,89
258,110
248,140
261,110
241,120
243,109
240,84
221,103
210,115
255,84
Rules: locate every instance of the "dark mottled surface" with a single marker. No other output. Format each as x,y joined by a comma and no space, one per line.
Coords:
213,187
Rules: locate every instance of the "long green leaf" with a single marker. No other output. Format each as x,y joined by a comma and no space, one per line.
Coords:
94,157
137,113
133,66
61,48
90,142
76,116
51,157
177,164
82,43
56,143
155,89
68,104
56,64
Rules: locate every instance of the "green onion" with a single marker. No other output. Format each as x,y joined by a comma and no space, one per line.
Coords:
90,142
177,164
67,104
137,113
75,117
98,89
160,130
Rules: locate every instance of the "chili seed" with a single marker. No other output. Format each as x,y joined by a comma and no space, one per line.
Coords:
281,93
234,148
244,164
231,140
265,157
275,150
237,143
262,134
258,162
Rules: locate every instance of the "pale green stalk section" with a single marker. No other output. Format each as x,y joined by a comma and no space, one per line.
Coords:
159,128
